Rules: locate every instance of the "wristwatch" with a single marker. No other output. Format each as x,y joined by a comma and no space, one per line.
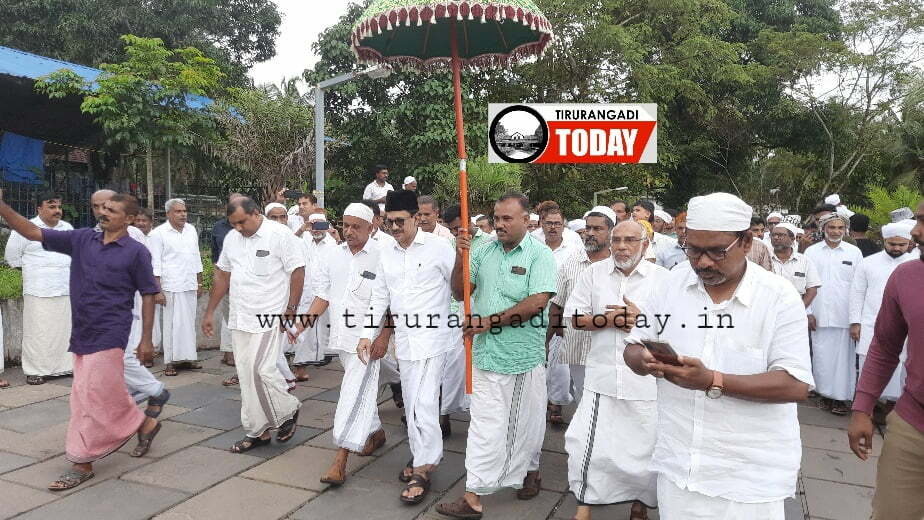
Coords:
717,388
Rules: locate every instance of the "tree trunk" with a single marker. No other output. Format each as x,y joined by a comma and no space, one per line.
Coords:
149,165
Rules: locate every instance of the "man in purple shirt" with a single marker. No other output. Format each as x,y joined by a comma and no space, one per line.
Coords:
107,267
900,472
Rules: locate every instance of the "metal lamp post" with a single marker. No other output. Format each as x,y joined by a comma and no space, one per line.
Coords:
601,192
376,72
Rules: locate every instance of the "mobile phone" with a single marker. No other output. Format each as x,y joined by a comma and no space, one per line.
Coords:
320,225
663,352
291,194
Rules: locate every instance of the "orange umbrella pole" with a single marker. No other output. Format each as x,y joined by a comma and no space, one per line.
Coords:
463,191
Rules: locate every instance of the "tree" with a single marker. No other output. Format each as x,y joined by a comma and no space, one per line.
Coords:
235,33
143,102
883,201
268,136
486,182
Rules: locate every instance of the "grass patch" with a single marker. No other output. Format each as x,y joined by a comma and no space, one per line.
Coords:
10,283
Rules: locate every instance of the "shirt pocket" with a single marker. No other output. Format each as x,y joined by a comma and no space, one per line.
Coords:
513,286
740,357
261,265
361,289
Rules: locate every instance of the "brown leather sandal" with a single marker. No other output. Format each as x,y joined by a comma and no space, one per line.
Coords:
458,509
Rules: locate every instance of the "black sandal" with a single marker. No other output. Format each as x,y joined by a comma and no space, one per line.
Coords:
417,481
407,478
35,380
287,430
144,442
70,480
158,401
248,443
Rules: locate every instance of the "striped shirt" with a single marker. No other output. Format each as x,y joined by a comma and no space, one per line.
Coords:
577,342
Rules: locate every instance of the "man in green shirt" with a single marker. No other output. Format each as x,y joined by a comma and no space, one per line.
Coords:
513,279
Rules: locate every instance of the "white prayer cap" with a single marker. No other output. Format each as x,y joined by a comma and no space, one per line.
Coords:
718,212
359,210
318,217
293,210
775,214
476,217
534,217
844,212
663,215
896,229
408,180
605,210
834,199
271,206
900,214
577,224
789,227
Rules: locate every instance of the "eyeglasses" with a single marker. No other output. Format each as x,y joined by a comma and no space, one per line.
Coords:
399,222
627,241
715,254
553,224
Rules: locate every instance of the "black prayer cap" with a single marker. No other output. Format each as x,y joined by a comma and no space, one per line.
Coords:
401,200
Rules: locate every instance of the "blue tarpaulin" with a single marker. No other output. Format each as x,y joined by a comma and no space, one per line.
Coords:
21,158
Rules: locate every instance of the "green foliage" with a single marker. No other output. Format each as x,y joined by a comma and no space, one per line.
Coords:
208,269
486,183
883,200
10,283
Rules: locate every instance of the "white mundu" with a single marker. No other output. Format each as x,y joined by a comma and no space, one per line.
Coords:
612,435
176,261
866,298
417,279
833,352
260,268
46,327
313,344
355,292
140,381
713,454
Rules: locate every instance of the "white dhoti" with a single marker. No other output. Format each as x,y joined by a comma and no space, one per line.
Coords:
312,344
388,371
357,415
453,397
282,363
224,344
420,384
893,390
180,327
675,503
46,336
506,429
577,381
609,443
834,363
265,400
558,374
140,381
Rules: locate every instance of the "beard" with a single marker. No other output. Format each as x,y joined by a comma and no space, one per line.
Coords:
630,263
832,239
592,246
895,254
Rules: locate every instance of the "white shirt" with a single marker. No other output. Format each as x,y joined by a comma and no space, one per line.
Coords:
443,232
798,269
663,246
295,222
314,251
261,268
45,274
566,250
417,279
375,192
175,257
736,449
836,268
671,256
355,290
602,284
566,236
382,238
866,291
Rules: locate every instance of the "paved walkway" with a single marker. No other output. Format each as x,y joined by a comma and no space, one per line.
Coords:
190,474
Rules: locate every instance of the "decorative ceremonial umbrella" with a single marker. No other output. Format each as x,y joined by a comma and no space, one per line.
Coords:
456,33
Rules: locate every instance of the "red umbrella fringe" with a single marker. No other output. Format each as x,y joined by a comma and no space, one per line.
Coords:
418,15
369,55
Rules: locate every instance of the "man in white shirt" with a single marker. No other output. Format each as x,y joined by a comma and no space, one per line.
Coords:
311,347
174,247
410,183
416,271
277,213
298,223
428,216
263,265
46,311
663,246
379,187
533,225
612,435
866,292
728,443
662,222
349,288
793,265
833,352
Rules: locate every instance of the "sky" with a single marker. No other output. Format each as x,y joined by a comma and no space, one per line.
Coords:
302,22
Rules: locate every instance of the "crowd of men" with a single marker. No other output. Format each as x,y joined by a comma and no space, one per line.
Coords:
686,338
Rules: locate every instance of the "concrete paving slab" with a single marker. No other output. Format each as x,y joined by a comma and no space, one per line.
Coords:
456,442
553,467
838,467
377,502
62,380
503,505
393,435
833,439
565,510
17,499
317,414
17,396
11,461
223,414
225,440
837,501
40,475
554,440
36,416
240,499
321,378
386,468
332,395
792,509
175,436
41,445
189,377
113,499
192,469
197,395
818,417
390,414
301,467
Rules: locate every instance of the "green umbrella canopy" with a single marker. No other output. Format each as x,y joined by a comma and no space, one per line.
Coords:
488,34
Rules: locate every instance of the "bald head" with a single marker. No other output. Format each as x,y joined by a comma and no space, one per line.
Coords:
631,226
98,199
628,245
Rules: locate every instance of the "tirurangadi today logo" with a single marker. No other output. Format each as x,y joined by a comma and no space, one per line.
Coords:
572,133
